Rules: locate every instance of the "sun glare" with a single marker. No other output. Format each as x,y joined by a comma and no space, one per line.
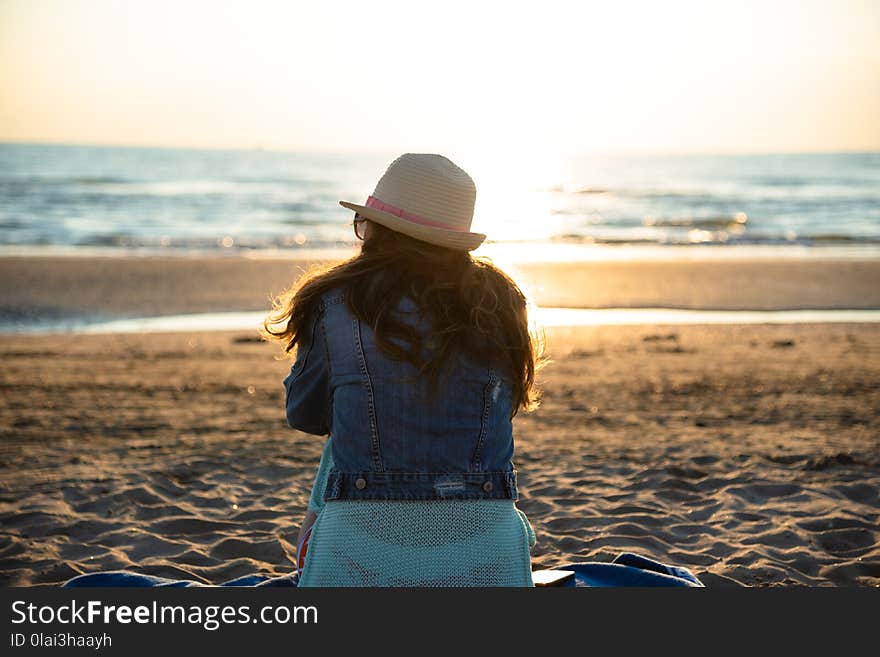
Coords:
512,195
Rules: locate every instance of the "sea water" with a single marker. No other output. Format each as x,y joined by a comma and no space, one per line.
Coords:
76,199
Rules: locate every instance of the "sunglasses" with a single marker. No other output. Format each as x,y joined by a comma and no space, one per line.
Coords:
360,226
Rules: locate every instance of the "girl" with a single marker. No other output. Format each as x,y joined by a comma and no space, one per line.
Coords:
414,357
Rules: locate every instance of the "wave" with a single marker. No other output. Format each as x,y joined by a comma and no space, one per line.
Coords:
98,180
294,244
735,221
720,238
769,181
118,186
223,243
280,180
632,192
63,180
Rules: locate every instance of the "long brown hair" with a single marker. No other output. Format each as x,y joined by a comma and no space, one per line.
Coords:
472,305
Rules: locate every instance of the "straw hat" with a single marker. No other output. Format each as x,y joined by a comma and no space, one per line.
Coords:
427,197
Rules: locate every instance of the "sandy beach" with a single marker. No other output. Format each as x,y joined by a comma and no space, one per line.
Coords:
747,453
46,288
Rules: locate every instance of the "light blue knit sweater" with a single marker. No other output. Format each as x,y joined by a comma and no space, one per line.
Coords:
415,543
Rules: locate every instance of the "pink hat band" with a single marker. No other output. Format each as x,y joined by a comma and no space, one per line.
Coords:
376,204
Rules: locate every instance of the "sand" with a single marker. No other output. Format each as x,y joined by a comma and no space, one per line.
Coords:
46,288
749,453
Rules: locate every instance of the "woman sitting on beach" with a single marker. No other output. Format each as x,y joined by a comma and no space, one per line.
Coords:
414,357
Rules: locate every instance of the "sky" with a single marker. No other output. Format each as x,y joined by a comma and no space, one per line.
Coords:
479,76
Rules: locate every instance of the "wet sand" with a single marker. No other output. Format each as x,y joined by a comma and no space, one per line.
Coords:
747,453
47,288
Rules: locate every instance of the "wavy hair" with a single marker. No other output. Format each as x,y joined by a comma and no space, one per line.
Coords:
473,307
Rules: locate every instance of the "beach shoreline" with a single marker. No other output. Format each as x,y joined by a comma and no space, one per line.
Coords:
40,289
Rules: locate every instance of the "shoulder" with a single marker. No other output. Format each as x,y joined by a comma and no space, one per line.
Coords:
330,298
331,307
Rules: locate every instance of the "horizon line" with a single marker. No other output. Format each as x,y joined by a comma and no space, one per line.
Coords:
355,151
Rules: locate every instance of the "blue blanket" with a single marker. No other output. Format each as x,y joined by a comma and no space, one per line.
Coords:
627,569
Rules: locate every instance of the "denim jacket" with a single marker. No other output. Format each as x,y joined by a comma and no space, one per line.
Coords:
393,438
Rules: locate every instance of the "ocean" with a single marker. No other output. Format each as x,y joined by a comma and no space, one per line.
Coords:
81,198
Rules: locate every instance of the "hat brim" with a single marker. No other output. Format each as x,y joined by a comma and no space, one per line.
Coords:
451,239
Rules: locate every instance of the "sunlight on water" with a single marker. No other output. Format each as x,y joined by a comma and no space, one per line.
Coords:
185,201
619,316
548,317
513,200
511,254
